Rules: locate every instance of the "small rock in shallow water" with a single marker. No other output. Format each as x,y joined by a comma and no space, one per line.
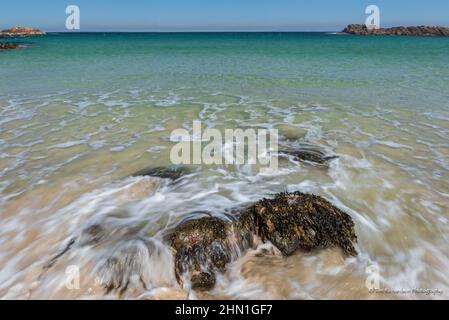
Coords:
203,281
291,132
308,155
202,247
128,266
171,172
293,221
8,45
93,234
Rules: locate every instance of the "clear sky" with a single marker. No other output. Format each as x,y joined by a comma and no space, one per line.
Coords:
211,15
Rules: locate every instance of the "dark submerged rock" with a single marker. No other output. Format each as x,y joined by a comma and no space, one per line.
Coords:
310,155
203,247
170,172
20,32
293,221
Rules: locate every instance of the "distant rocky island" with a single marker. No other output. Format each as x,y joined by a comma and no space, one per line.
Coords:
20,32
423,31
17,32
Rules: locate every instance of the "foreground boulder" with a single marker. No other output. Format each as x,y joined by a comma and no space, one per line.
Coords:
293,221
361,29
290,221
20,32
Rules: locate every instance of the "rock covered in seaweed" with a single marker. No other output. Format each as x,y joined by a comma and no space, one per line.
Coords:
203,247
309,155
290,221
293,221
20,32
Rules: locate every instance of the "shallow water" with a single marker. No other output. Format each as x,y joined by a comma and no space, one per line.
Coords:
80,113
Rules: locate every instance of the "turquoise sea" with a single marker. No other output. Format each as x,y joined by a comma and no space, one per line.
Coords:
80,112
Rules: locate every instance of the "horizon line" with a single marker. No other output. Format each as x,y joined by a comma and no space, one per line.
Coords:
194,31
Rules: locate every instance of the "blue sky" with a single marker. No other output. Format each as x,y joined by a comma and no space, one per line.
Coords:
211,15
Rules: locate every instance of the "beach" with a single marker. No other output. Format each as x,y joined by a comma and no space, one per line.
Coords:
80,113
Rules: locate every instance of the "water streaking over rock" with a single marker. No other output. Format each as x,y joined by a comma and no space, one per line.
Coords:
9,45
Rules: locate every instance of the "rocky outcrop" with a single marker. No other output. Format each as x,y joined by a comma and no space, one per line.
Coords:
8,45
125,266
361,29
308,155
290,221
20,32
293,221
170,172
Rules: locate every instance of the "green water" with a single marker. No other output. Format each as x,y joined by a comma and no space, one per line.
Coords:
377,69
80,112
